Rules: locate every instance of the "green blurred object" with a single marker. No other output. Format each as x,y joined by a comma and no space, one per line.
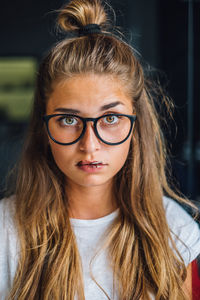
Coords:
17,80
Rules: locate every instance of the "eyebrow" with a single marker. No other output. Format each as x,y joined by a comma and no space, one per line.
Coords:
75,111
110,105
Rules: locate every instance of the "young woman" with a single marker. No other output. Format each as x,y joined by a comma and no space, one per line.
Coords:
93,216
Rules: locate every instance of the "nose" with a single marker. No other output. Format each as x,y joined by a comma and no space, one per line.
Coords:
89,142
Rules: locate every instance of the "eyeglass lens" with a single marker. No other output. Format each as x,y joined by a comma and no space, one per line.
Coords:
111,129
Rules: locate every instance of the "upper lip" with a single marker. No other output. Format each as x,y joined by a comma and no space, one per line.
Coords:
87,162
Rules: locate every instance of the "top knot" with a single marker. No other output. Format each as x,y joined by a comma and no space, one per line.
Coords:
83,16
89,29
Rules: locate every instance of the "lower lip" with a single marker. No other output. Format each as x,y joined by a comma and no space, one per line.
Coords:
91,168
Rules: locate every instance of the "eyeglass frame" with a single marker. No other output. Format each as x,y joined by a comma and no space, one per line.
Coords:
46,119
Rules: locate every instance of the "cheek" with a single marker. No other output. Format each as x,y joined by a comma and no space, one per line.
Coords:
121,155
60,154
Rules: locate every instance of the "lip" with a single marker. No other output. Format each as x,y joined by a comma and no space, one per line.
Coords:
87,162
90,166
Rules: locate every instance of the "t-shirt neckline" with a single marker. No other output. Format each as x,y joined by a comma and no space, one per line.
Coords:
93,222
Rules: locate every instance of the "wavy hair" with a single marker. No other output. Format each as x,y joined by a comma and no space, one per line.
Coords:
140,235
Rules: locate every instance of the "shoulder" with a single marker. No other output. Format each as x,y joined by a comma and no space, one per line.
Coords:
7,210
184,230
9,244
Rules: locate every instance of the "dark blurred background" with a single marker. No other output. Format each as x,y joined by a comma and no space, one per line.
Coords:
166,33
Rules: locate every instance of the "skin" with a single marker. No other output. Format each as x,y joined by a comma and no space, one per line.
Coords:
90,194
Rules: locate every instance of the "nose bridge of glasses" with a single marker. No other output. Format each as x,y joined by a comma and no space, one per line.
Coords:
89,140
87,131
91,122
90,119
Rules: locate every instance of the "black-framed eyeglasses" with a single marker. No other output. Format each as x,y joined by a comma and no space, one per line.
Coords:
67,129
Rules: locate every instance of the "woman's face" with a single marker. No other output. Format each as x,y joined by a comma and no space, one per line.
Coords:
89,96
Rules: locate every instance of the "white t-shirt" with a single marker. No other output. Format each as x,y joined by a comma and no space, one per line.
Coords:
88,234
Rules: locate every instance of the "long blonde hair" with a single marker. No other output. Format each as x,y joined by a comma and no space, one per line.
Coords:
138,241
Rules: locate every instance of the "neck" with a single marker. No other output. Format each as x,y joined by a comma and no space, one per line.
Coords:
90,202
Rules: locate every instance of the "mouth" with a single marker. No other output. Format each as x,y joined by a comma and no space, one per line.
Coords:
90,163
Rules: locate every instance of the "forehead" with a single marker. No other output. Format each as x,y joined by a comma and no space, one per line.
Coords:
88,93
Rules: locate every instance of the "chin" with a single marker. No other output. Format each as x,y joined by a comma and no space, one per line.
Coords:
91,183
88,182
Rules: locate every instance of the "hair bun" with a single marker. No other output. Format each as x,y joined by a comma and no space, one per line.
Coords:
78,13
